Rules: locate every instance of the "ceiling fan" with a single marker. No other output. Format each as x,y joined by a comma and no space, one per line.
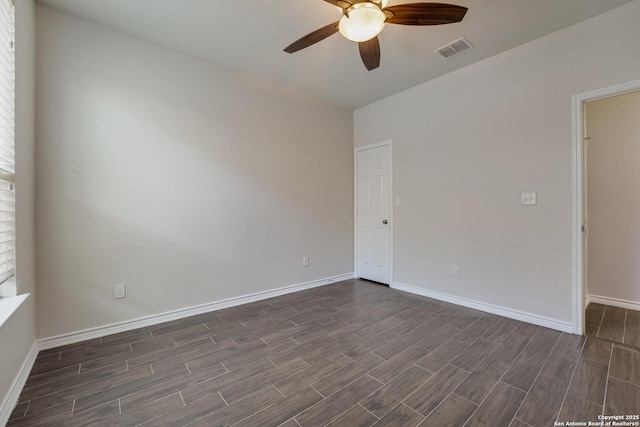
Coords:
363,20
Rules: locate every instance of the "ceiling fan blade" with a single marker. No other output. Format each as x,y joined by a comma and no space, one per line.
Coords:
343,4
312,38
370,53
425,14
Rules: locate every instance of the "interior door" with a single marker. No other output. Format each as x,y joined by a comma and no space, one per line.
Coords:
373,214
585,225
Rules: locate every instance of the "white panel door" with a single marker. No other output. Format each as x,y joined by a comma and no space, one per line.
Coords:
585,225
373,214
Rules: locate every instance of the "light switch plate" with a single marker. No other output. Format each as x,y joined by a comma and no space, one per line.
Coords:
398,201
528,199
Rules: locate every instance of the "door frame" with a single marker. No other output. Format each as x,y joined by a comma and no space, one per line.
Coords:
356,150
580,297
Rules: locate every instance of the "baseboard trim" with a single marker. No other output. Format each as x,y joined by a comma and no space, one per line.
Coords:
489,308
615,302
13,394
100,331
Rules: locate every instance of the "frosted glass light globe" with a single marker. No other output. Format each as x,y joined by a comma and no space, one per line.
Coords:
362,22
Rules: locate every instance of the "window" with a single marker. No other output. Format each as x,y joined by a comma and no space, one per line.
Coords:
7,148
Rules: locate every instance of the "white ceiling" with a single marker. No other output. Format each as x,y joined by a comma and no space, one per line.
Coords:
248,36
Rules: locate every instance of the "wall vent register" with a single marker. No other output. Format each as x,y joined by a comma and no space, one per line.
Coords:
455,47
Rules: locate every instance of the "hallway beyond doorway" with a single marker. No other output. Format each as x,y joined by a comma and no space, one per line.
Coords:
613,324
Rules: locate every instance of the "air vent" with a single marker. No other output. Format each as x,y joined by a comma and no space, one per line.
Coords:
454,48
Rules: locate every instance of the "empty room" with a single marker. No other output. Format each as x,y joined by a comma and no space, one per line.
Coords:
319,213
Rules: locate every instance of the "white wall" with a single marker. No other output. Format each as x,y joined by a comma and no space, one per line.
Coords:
468,143
613,199
17,334
185,181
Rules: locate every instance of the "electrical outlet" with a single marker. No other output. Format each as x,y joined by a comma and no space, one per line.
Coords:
455,271
305,261
120,291
528,199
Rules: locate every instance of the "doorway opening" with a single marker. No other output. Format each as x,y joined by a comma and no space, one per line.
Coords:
584,294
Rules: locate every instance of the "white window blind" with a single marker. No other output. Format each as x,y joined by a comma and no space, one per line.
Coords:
7,148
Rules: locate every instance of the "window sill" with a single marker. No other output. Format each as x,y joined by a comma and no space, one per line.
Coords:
9,305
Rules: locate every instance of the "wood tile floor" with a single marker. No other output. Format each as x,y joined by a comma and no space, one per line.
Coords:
348,354
613,323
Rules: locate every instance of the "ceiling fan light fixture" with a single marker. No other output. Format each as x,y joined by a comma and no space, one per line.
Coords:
362,22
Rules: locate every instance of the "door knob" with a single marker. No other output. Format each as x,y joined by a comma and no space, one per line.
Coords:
384,221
